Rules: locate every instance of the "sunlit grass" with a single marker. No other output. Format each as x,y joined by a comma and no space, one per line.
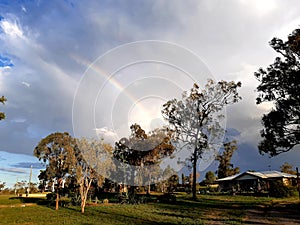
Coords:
206,210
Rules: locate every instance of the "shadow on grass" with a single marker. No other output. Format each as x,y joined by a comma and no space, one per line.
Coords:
115,216
233,211
38,201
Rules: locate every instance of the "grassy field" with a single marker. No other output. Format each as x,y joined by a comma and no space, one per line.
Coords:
207,210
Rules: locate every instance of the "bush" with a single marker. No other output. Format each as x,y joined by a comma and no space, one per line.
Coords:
293,192
63,201
166,198
51,196
75,199
279,190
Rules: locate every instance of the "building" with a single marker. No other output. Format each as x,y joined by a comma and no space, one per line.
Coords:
255,181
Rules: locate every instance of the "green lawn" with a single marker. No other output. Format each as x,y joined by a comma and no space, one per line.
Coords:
207,210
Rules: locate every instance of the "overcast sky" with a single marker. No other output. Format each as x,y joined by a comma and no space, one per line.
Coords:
48,47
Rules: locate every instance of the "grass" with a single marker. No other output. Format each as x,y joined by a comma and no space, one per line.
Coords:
206,210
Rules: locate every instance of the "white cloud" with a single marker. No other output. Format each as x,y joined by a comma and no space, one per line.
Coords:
11,28
230,36
287,29
24,9
261,7
108,135
26,84
18,120
4,71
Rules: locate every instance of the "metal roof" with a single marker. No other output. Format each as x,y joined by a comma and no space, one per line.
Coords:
272,174
229,178
262,175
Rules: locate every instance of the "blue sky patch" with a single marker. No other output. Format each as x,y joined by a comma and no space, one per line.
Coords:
4,61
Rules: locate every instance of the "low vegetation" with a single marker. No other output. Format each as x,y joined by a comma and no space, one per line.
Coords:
208,209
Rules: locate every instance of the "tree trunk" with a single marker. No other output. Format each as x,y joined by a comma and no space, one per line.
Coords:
149,185
84,194
194,191
57,199
83,206
83,201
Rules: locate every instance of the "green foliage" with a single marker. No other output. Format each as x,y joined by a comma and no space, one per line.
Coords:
210,177
287,168
58,151
51,197
173,182
280,84
195,118
279,190
2,186
144,151
167,198
2,114
20,187
225,167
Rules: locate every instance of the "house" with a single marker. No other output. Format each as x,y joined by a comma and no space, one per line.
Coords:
255,181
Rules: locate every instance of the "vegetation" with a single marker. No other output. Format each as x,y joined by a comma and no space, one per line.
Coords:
280,84
2,186
206,210
144,151
279,190
195,119
89,167
2,114
210,178
225,167
287,168
58,151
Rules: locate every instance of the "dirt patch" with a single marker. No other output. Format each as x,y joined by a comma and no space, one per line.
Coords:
214,217
283,214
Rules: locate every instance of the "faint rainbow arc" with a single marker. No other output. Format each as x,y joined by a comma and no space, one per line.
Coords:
110,79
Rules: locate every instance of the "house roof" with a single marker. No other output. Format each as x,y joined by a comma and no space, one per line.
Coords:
229,178
255,175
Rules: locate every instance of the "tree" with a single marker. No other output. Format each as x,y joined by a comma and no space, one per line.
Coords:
2,114
2,185
173,182
142,150
57,151
287,168
20,186
183,179
168,180
225,167
195,118
93,163
210,177
280,84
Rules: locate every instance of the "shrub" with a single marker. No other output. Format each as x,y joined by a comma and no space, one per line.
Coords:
51,196
278,189
167,198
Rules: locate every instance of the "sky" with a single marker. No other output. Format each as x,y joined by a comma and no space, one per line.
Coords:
83,67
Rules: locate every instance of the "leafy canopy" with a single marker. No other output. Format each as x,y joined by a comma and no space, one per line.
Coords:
2,114
225,167
280,84
195,119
